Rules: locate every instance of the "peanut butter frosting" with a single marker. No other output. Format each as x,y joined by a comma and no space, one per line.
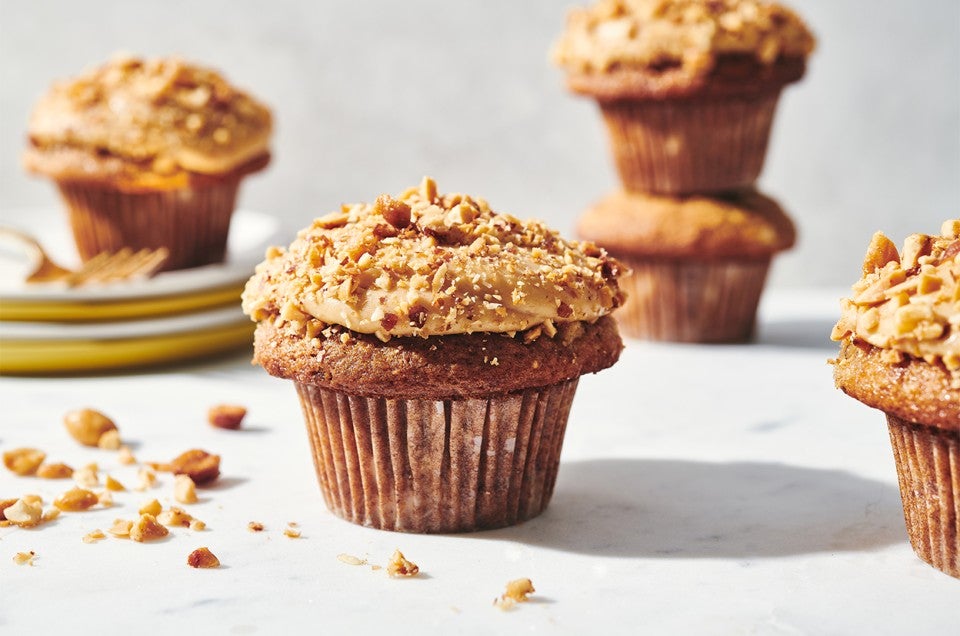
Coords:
133,118
684,34
427,264
908,303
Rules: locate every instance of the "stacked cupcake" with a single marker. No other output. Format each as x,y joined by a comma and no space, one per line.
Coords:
688,90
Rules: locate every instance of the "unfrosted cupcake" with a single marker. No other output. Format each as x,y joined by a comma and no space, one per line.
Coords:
436,346
900,353
697,264
149,154
687,88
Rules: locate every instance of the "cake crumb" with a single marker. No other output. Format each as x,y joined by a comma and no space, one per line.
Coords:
399,565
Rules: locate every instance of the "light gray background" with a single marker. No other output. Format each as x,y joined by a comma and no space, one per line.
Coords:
369,96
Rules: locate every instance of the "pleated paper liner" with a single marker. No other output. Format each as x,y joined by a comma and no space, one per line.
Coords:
432,466
694,145
192,223
691,301
928,468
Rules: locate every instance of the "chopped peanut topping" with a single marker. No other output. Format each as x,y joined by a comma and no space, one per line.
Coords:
147,479
152,507
292,533
94,536
184,490
23,461
121,528
201,466
24,513
203,558
87,426
147,529
76,500
255,526
24,558
125,456
88,476
228,416
175,518
349,559
54,471
109,440
517,592
400,566
113,484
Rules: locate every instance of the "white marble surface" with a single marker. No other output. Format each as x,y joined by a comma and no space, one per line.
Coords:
709,490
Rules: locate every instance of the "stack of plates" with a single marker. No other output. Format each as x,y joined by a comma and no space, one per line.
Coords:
174,316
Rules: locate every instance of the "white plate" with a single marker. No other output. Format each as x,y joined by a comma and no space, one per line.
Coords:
12,331
250,234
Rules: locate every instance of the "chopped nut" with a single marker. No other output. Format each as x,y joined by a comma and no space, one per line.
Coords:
152,507
228,416
199,464
255,526
147,479
292,533
400,566
184,490
349,559
24,558
109,440
196,525
94,536
54,471
76,500
87,476
121,528
50,514
175,517
880,252
34,500
396,212
203,558
147,529
125,456
87,426
113,484
6,503
517,592
24,513
23,461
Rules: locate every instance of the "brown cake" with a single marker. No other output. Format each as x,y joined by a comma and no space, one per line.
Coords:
687,88
697,264
900,353
436,346
149,153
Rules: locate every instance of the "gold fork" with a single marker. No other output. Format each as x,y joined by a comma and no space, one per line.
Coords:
103,268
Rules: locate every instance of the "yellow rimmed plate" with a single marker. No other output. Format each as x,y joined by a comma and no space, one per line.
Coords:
52,348
167,293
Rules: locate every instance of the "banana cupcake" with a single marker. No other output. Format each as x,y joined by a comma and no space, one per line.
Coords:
687,88
900,353
697,264
149,154
435,346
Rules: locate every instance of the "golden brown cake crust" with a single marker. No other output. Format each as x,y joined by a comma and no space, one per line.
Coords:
913,390
743,224
440,367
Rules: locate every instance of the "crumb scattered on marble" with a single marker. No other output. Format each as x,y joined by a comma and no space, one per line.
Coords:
349,559
24,558
517,591
203,558
399,565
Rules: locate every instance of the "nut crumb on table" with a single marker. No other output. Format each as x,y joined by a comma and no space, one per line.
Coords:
109,440
517,591
88,476
87,426
147,528
23,461
399,565
112,484
349,559
24,513
93,536
255,526
125,456
203,558
226,416
292,533
24,558
201,466
57,470
184,490
151,507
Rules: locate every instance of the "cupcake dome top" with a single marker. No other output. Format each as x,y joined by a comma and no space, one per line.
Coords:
907,304
678,34
134,117
426,264
741,224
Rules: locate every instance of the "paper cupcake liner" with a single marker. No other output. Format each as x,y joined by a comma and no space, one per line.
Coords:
678,301
928,468
685,146
192,223
437,465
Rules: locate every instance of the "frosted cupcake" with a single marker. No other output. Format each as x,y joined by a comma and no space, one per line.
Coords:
436,346
697,264
687,88
149,154
900,353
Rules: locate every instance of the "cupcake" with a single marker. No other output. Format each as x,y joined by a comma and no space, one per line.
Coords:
697,264
900,353
149,154
435,346
687,88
